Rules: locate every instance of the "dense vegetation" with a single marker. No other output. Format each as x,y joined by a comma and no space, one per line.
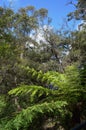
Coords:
42,82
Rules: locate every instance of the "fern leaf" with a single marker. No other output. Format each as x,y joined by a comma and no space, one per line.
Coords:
26,116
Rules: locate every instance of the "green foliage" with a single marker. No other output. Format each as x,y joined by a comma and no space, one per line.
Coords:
7,51
31,90
50,77
27,116
2,103
80,12
70,89
27,73
78,44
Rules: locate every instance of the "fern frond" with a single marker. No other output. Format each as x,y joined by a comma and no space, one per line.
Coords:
31,90
49,77
26,116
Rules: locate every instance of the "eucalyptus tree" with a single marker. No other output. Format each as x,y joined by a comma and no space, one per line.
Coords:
6,24
80,10
78,44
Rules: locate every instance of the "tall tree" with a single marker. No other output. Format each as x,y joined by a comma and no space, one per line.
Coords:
80,10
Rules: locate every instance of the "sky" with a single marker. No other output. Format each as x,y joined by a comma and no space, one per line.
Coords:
57,9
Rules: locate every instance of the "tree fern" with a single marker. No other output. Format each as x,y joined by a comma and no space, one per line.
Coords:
69,92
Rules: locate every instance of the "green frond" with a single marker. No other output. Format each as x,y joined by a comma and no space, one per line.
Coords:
68,84
26,116
31,90
50,77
